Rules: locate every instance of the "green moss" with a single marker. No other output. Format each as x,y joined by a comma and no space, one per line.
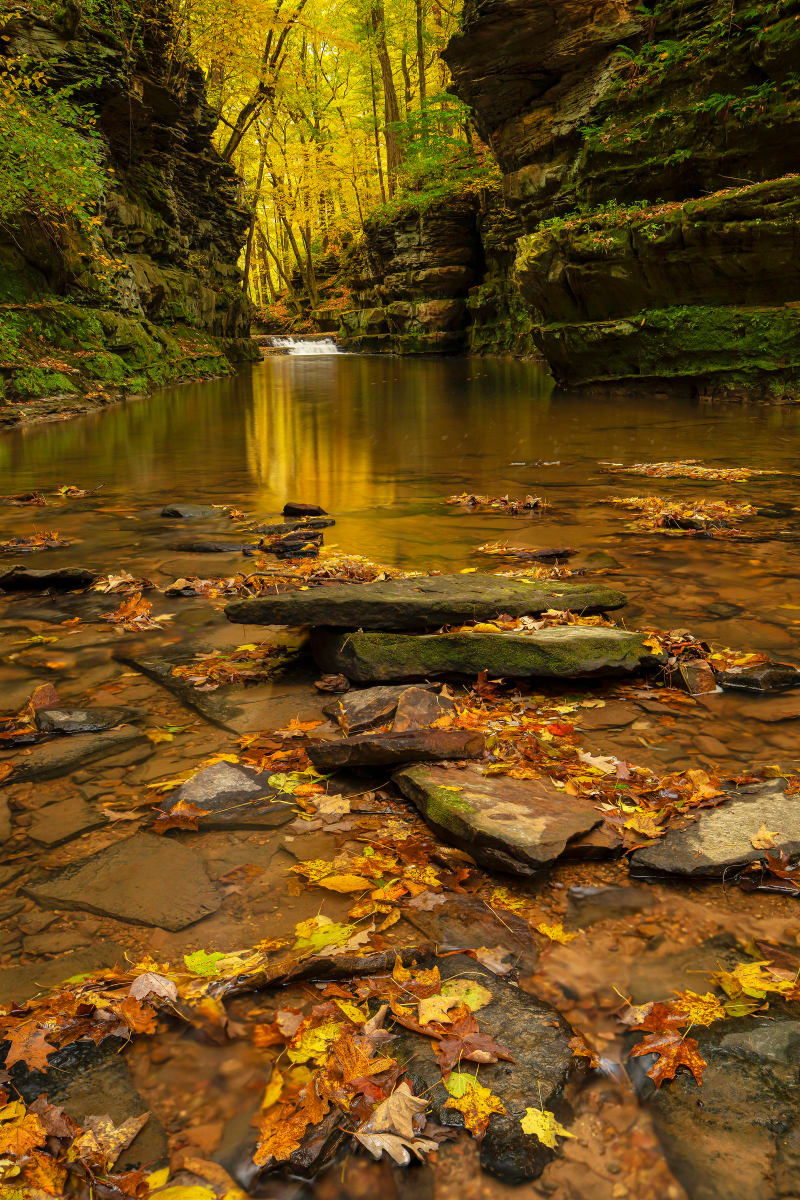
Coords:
37,382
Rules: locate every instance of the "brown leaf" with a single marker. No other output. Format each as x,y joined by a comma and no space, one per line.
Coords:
29,1045
673,1051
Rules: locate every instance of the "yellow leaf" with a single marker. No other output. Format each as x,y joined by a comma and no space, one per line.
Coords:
343,883
467,991
474,1101
764,839
157,1179
556,933
186,1191
436,1008
158,735
467,570
543,1125
314,1042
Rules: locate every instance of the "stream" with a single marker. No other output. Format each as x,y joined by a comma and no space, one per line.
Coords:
380,444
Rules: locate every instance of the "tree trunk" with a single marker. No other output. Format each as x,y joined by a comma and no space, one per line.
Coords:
423,90
375,129
394,155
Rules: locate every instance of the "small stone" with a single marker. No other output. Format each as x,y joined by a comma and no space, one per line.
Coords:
419,707
765,677
720,840
362,708
392,749
513,825
81,720
697,676
234,797
295,509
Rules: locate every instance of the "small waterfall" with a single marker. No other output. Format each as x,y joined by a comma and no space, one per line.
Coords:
290,345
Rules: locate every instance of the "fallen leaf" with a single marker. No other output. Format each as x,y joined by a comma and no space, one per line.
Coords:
542,1124
556,932
151,984
475,1102
673,1051
203,963
764,839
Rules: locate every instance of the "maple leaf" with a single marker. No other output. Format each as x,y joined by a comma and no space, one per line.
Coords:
764,839
320,934
436,1008
102,1142
396,1113
283,1127
20,1130
29,1045
697,1009
44,1176
542,1124
313,1040
753,979
55,1120
555,932
183,815
581,1049
203,963
475,1102
673,1051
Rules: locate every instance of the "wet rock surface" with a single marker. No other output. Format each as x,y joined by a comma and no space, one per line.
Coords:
191,512
766,677
562,652
65,820
422,603
737,1137
585,905
390,749
537,1037
20,983
81,720
519,826
39,579
234,797
145,880
49,760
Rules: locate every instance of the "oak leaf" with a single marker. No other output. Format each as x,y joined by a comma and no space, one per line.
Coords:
673,1051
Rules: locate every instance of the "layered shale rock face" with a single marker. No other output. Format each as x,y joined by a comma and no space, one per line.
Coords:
158,298
411,274
648,151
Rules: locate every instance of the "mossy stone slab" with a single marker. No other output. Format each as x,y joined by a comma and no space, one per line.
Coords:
563,652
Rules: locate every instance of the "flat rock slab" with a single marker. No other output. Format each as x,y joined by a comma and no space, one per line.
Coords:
765,677
234,798
81,720
392,749
360,709
423,603
65,820
736,1137
19,984
32,579
562,652
418,708
538,1038
513,825
145,880
49,760
191,512
720,839
213,547
288,526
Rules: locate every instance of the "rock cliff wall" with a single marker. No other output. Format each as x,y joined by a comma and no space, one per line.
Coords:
159,297
649,154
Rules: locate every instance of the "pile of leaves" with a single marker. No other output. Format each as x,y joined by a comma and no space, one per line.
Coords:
135,614
504,550
746,989
255,662
122,584
30,543
24,498
689,468
660,513
549,618
472,501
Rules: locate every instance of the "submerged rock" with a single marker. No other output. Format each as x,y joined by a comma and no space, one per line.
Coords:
234,797
538,1038
391,749
19,984
144,880
289,526
562,652
213,547
585,905
765,677
721,839
736,1138
65,820
421,603
190,512
81,720
53,758
506,824
33,579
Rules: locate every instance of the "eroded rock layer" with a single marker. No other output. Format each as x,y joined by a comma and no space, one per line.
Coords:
158,297
648,153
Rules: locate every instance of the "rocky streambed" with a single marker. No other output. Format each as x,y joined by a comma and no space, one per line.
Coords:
380,880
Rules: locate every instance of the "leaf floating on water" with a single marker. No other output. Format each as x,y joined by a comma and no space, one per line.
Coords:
541,1124
673,1051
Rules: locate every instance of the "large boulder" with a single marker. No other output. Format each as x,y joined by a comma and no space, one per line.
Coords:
721,840
233,797
513,825
562,652
426,602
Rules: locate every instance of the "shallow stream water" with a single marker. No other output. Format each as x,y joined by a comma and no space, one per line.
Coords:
381,443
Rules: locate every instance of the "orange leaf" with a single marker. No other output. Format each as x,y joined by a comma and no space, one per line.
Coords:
673,1051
